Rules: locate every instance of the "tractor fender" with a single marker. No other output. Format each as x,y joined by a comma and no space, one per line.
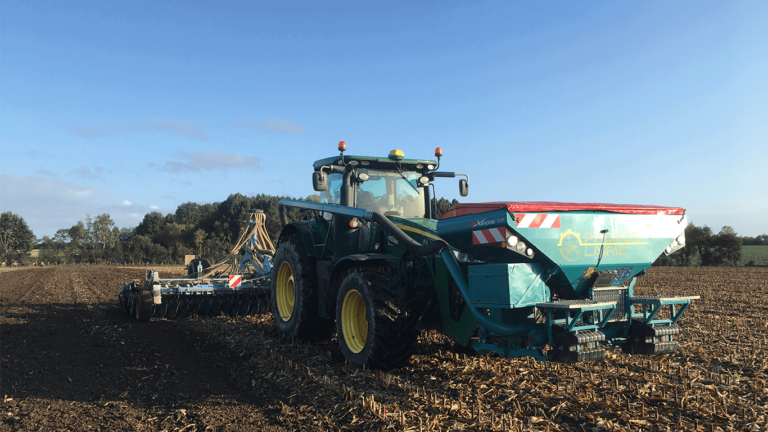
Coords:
304,229
340,269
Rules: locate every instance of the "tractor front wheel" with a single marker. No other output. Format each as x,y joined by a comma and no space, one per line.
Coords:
373,321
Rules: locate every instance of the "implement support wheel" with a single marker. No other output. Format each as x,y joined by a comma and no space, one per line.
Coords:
374,322
294,293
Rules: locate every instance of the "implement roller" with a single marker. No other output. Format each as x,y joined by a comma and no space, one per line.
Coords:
210,291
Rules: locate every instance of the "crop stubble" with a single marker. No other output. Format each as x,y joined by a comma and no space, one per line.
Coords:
95,370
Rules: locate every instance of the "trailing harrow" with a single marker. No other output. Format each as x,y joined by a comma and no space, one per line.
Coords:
223,288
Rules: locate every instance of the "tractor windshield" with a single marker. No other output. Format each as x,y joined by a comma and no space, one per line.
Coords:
386,192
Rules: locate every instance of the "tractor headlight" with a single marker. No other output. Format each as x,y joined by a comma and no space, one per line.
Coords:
669,250
466,258
520,247
681,239
460,256
511,241
529,252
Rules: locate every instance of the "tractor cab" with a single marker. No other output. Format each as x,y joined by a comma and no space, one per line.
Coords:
393,186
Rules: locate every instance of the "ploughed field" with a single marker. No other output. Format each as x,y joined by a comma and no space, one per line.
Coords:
71,361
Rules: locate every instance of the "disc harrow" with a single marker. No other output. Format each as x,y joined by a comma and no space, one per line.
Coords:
221,289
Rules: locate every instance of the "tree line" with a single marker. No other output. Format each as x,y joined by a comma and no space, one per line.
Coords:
211,230
204,230
705,248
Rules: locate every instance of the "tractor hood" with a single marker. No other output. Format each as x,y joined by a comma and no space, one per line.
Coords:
569,238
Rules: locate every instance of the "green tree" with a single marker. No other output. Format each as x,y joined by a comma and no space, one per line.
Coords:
16,239
760,240
442,206
189,213
727,247
102,231
152,224
719,249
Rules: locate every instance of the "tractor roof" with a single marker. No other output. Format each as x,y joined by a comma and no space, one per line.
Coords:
383,163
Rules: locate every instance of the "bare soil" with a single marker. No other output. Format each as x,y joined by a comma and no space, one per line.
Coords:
69,360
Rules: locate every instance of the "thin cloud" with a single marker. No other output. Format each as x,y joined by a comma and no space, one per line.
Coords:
127,203
90,132
37,198
87,173
181,127
209,160
275,125
184,128
46,173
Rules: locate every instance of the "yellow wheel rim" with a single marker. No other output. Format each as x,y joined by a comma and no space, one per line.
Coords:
354,321
284,292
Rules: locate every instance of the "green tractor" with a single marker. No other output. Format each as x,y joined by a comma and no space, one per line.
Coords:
553,281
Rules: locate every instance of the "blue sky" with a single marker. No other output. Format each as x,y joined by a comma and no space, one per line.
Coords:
127,107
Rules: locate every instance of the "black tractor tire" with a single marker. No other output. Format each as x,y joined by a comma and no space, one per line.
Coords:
144,306
294,293
192,267
385,337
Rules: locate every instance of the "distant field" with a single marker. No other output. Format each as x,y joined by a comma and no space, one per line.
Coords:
758,254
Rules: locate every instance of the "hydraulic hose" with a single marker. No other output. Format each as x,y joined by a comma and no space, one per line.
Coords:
461,283
417,249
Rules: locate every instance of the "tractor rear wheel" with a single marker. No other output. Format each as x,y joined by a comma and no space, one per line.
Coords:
294,293
374,323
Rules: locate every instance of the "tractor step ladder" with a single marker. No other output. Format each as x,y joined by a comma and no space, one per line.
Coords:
648,334
573,328
652,304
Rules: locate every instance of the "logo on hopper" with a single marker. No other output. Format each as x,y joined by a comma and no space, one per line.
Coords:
486,222
574,246
570,245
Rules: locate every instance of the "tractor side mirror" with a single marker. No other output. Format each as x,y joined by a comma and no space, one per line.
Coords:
319,181
463,187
